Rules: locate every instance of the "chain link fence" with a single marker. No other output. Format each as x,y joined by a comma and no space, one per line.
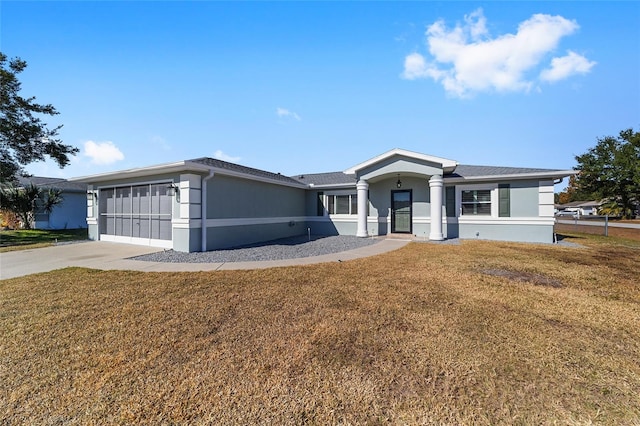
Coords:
598,225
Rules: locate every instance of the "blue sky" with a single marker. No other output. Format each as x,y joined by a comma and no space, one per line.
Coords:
304,87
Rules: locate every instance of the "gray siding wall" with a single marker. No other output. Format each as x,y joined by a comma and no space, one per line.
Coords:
233,236
187,240
524,198
311,201
329,227
422,230
231,197
507,232
374,227
323,228
236,198
380,196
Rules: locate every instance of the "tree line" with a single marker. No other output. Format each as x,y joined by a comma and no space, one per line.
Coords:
608,172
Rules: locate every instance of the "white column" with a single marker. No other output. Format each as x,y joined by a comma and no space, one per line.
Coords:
363,200
436,185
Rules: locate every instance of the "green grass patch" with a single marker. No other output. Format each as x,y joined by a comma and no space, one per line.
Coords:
32,238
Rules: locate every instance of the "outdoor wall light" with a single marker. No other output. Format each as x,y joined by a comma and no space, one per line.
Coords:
91,195
173,189
399,182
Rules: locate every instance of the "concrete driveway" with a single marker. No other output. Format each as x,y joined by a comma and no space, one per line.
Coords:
110,256
90,254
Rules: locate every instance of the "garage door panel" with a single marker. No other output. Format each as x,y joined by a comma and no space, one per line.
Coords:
142,228
141,211
123,226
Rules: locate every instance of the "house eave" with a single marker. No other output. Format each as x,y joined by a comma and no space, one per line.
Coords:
167,168
177,167
334,185
552,174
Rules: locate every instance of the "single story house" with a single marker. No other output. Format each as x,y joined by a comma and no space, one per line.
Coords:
70,214
205,204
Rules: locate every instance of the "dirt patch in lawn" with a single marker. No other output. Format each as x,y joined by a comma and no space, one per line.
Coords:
525,277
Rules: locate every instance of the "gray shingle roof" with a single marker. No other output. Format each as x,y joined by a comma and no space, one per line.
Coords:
461,171
57,183
469,171
331,178
341,178
225,165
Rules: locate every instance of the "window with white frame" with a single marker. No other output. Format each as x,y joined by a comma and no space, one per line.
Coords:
476,202
342,204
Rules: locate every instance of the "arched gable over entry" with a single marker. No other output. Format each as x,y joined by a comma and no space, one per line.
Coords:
398,162
401,161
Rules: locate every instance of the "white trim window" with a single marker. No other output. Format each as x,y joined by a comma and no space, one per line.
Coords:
475,202
341,203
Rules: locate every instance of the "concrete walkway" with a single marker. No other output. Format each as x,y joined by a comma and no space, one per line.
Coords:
115,256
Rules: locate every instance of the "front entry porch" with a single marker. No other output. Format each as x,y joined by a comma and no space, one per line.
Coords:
380,178
416,208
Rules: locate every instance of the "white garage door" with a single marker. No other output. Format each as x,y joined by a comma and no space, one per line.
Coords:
138,214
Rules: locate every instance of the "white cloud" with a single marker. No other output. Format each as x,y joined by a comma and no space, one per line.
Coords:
283,112
466,59
224,157
415,66
566,66
477,24
102,152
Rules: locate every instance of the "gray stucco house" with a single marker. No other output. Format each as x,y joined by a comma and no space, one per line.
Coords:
205,204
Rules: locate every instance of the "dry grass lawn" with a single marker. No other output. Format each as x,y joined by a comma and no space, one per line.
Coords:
481,333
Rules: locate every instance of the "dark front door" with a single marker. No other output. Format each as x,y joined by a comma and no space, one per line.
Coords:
401,211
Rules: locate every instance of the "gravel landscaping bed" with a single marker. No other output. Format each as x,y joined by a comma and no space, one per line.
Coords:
286,248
